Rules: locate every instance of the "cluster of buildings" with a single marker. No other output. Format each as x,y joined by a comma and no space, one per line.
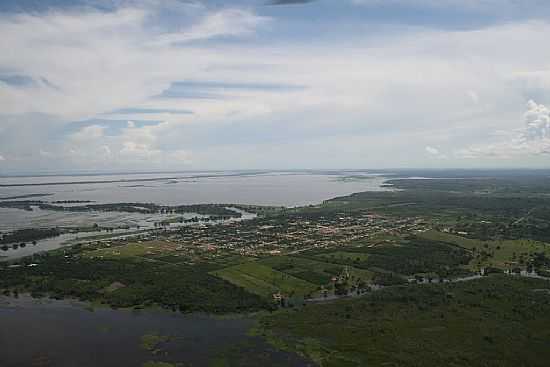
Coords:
283,234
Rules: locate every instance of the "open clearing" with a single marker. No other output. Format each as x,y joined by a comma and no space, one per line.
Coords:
503,253
342,255
263,280
314,271
135,249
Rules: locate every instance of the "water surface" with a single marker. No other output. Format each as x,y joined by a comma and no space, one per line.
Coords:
67,334
271,188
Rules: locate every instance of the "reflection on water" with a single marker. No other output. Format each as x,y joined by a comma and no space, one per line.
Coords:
66,334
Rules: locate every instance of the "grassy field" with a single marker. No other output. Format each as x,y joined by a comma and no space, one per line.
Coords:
342,255
263,280
151,342
496,321
464,242
502,254
134,249
314,271
160,364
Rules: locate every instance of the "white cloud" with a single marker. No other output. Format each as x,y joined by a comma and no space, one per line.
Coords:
106,151
179,156
537,121
432,150
88,133
45,153
137,150
133,147
435,152
2,158
417,84
483,5
226,22
101,61
533,139
473,96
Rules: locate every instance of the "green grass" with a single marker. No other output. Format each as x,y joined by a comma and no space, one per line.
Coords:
496,321
342,255
151,342
315,271
263,280
134,249
408,256
229,259
158,364
503,254
464,242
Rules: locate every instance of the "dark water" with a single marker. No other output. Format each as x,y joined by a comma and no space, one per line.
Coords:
66,334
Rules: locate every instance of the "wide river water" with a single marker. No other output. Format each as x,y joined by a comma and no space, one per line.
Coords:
267,188
51,333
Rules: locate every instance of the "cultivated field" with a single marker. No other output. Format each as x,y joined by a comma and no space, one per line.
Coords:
263,280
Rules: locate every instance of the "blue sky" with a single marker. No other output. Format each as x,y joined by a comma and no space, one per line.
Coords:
177,85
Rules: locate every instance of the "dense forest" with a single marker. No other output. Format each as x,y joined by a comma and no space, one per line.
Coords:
129,283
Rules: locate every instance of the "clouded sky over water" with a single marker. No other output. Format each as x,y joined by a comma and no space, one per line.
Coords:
175,84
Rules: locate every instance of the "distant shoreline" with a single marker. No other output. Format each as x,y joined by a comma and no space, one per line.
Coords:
88,182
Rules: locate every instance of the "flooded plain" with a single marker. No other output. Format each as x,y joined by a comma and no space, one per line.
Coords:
129,225
51,333
256,188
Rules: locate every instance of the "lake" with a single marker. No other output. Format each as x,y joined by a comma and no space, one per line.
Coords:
268,188
52,333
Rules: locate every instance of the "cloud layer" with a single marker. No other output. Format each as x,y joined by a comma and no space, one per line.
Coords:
191,85
533,139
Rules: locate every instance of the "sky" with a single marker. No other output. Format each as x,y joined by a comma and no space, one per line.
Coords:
137,85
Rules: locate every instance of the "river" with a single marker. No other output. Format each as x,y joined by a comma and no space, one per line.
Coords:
267,188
